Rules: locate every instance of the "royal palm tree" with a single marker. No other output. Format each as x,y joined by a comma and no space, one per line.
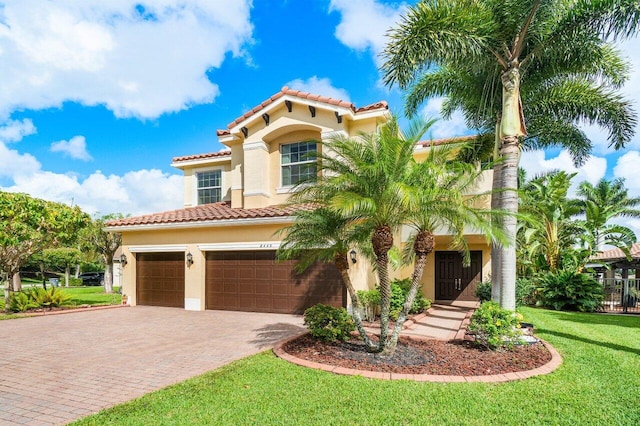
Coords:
491,58
323,235
605,201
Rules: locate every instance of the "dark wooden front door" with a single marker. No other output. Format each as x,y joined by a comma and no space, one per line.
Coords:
253,281
453,282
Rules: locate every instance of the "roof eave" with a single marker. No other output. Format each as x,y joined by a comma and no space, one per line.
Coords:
202,224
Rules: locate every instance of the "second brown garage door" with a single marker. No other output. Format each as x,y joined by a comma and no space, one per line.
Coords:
253,281
160,279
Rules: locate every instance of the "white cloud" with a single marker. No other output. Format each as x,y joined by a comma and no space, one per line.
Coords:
12,163
364,23
535,163
76,148
136,192
15,130
137,58
455,126
319,86
627,168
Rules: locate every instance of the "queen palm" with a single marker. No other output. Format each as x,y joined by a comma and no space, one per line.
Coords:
605,201
493,59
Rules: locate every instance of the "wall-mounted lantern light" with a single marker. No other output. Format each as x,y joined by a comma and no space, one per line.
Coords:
189,259
352,255
123,259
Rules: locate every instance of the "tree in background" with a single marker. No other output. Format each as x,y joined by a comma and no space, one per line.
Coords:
64,258
27,226
105,243
486,51
601,203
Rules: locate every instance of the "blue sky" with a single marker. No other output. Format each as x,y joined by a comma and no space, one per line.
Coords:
97,96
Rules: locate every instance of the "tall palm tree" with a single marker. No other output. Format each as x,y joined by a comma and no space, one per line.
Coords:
482,55
605,201
323,235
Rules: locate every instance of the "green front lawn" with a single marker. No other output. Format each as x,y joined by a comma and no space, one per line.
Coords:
598,383
79,296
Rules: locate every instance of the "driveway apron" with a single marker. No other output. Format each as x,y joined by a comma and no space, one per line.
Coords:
58,368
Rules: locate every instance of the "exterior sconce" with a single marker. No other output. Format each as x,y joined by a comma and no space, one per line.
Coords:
352,256
189,259
123,260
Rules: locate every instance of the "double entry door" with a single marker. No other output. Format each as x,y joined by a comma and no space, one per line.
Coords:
453,281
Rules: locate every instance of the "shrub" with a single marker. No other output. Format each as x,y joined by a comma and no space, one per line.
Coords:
328,323
75,282
571,291
370,300
526,292
493,326
483,291
21,302
420,303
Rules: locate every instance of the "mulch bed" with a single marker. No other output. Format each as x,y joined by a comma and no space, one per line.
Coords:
455,357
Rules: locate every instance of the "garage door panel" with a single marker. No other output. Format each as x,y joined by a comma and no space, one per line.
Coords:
160,279
259,283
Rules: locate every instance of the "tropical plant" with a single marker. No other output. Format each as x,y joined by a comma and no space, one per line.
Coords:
571,291
601,203
21,302
499,61
376,185
548,226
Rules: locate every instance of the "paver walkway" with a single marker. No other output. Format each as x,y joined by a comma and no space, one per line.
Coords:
59,368
442,322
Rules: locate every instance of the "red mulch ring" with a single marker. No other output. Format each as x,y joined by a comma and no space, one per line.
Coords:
455,357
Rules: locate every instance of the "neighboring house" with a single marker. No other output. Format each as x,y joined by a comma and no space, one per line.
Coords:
218,251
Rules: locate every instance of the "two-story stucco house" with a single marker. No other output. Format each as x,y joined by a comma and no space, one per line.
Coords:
218,252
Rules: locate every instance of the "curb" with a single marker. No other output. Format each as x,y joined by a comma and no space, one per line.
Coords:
556,361
72,311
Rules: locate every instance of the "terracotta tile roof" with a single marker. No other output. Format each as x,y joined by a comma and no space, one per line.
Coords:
616,253
206,212
303,95
201,156
444,141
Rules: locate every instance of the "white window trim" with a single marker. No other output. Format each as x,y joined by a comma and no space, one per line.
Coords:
287,189
195,183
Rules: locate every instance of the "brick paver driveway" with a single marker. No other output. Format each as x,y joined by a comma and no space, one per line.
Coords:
57,368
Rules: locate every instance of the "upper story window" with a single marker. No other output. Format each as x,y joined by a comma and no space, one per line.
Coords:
298,162
209,186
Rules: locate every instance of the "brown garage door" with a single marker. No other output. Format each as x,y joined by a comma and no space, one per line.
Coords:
160,279
253,281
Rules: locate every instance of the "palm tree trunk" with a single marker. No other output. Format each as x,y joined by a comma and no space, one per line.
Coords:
511,129
509,201
496,250
420,264
342,264
382,241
